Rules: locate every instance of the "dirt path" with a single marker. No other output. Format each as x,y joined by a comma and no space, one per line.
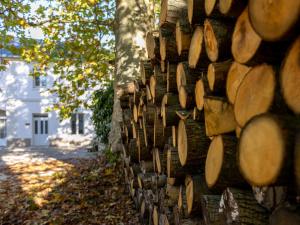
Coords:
62,190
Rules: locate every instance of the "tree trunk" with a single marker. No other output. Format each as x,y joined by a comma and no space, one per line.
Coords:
217,38
192,143
235,76
274,26
219,116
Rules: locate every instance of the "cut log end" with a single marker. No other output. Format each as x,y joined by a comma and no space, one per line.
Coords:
273,21
209,6
235,76
255,94
199,94
163,48
245,41
151,45
182,142
211,43
290,79
225,6
196,47
261,151
190,4
189,193
214,161
183,96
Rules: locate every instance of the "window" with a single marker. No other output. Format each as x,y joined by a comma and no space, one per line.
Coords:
40,81
2,128
77,123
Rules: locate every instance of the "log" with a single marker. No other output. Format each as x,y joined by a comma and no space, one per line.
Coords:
171,78
159,138
186,76
149,113
217,39
200,92
163,66
155,216
168,50
171,10
183,36
192,143
297,162
148,93
274,21
161,161
240,207
169,115
187,96
289,77
265,151
216,76
248,48
196,11
146,71
236,74
221,169
146,166
169,99
172,192
152,45
159,181
232,8
182,202
198,115
256,93
286,214
174,168
218,116
133,150
174,136
143,150
195,187
210,209
197,54
270,197
157,91
145,180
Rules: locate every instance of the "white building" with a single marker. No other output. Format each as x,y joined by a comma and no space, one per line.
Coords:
24,120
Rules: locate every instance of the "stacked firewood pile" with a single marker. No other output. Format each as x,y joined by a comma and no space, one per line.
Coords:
210,133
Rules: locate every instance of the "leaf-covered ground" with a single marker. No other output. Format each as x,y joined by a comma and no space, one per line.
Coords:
78,191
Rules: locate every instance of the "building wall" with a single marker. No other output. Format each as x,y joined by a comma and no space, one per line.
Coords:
21,100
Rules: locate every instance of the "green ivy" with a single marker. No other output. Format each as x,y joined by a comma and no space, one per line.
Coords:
102,108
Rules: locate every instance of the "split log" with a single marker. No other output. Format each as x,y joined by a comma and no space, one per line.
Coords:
192,143
270,197
240,207
152,45
232,8
196,11
217,38
186,76
248,48
216,76
255,94
146,71
221,169
187,96
171,10
197,54
274,21
195,187
210,209
219,116
183,36
235,76
289,77
171,78
265,151
287,214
